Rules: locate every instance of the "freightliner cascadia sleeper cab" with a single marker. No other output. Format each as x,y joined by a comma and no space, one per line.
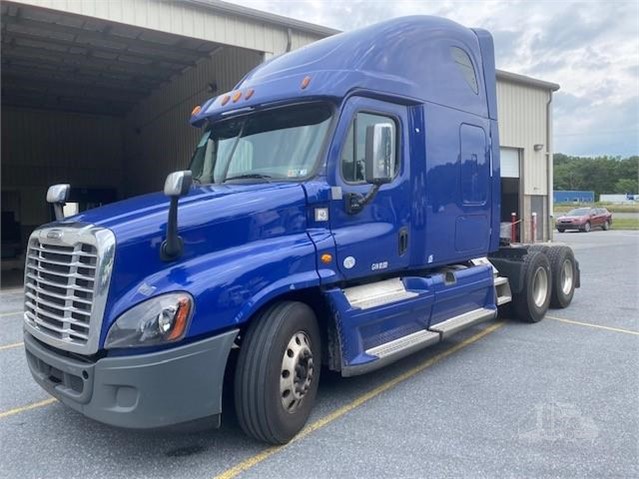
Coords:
340,211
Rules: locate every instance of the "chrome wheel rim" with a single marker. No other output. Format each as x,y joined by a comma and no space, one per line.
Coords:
297,371
540,287
566,277
587,227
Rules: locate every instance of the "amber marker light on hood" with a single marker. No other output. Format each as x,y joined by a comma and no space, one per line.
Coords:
326,258
249,93
196,110
305,82
236,96
225,100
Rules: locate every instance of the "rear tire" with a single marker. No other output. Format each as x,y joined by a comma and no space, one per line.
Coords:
531,303
277,372
564,275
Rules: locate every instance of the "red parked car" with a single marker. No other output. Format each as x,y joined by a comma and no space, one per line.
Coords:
584,219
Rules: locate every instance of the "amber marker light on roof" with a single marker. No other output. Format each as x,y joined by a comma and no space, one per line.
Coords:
305,82
225,100
249,93
236,96
196,110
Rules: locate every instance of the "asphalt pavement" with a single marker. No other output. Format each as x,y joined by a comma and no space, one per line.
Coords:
555,399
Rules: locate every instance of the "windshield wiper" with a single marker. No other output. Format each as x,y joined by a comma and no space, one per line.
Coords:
259,176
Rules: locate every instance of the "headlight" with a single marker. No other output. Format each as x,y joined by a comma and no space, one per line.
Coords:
159,320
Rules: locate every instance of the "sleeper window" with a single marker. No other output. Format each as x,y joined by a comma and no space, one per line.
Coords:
352,157
465,65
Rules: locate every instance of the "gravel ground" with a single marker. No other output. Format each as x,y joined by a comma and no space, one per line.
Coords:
554,399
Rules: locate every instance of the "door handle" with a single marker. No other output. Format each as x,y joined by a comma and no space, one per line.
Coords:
403,241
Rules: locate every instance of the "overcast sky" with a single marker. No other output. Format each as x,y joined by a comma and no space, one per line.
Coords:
591,48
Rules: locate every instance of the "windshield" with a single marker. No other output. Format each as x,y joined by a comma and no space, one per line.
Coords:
282,143
579,212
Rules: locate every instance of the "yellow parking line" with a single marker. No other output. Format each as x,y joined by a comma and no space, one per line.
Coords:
13,313
11,346
591,325
28,407
339,412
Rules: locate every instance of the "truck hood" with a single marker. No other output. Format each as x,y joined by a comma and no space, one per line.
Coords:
135,217
212,220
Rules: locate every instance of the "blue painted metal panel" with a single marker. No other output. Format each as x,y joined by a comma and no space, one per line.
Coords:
451,222
370,237
436,301
408,57
573,196
472,290
362,329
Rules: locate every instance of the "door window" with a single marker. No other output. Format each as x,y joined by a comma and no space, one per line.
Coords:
352,157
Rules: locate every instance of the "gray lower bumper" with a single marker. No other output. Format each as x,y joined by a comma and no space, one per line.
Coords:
143,391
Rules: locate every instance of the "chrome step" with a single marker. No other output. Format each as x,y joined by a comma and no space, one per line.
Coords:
378,294
463,321
401,347
392,351
503,294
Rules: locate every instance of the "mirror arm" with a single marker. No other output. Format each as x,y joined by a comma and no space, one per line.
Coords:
356,202
172,246
58,210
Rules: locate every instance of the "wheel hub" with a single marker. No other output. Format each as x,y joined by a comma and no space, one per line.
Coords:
540,287
566,277
297,371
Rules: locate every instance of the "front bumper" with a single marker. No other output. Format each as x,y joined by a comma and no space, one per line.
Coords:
568,226
142,391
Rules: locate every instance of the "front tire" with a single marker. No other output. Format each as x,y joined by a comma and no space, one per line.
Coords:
531,303
277,372
561,230
587,227
606,225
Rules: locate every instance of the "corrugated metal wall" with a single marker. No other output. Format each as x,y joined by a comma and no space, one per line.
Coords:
158,136
186,19
522,124
40,148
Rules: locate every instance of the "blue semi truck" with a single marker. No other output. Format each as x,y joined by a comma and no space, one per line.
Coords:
340,211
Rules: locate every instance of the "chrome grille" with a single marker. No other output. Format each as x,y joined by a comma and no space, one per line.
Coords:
66,278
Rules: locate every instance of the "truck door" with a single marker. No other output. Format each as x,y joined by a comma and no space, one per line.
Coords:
374,240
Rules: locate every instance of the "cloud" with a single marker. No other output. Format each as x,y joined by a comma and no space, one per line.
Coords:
590,48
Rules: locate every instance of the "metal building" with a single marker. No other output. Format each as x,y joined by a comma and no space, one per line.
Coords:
97,93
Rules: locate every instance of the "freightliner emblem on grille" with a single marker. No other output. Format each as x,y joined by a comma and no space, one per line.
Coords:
54,234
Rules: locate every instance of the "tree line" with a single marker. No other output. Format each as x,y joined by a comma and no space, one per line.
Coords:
602,174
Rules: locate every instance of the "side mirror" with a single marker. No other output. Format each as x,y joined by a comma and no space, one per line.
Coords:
58,196
379,164
379,159
177,184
